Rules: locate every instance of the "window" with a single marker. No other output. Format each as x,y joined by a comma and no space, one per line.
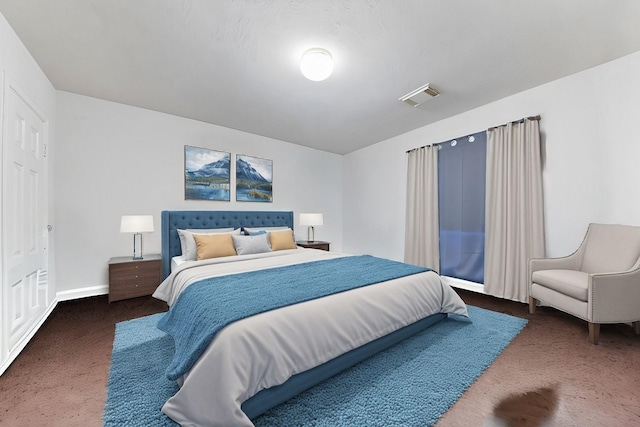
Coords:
461,199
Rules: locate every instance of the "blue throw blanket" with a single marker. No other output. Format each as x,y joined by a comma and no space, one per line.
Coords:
207,306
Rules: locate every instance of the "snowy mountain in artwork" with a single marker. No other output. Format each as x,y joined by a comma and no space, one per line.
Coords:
245,171
219,169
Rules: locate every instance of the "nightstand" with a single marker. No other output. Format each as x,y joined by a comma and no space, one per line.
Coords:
313,245
130,278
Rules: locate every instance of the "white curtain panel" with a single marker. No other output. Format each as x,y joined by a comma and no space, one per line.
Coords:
421,243
514,229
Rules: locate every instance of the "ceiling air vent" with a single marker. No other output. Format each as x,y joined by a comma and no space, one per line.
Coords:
420,95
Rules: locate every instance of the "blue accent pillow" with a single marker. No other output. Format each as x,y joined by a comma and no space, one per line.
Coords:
257,233
254,244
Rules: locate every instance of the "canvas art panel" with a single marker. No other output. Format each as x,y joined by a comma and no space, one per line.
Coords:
254,179
207,174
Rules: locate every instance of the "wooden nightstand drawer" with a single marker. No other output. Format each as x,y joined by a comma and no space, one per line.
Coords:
127,273
131,290
324,246
129,278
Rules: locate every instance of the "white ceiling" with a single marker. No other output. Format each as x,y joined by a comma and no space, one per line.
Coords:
235,63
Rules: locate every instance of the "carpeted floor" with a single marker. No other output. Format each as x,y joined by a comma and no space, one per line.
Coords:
411,384
60,378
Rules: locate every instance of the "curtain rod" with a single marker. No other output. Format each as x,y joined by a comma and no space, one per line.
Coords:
490,129
517,121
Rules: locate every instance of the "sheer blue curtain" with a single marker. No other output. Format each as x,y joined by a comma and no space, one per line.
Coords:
461,206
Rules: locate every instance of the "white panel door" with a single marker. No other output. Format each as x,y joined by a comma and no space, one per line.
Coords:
24,220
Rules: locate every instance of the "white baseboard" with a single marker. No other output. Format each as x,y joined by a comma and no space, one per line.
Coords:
464,284
90,291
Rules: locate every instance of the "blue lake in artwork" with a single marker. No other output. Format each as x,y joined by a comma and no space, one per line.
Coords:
203,192
242,195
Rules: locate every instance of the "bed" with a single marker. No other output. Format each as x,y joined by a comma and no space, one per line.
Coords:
252,363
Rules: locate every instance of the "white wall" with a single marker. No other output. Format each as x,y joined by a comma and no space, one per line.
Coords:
591,130
110,159
114,160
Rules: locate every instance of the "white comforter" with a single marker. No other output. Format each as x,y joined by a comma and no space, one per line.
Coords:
267,349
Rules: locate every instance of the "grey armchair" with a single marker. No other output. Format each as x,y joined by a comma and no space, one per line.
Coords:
599,282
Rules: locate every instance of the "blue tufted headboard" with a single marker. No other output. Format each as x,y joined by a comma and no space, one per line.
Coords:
173,220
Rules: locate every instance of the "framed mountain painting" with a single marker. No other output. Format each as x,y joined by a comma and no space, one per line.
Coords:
254,179
207,174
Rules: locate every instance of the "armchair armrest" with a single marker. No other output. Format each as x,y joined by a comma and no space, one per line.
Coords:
614,297
564,263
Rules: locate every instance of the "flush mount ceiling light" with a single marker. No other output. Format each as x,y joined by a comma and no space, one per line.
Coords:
316,64
420,95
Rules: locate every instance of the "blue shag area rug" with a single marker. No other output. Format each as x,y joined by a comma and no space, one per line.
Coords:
410,384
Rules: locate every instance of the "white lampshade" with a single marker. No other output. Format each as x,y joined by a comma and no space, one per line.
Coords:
136,224
312,219
316,64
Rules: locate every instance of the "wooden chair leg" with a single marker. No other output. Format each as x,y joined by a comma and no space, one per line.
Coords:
594,332
636,327
532,305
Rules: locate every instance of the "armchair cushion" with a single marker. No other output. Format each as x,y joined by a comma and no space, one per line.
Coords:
573,283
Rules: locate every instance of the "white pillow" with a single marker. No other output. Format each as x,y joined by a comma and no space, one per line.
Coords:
246,245
209,230
267,229
188,245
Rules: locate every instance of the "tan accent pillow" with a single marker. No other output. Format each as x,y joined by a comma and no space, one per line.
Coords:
282,240
213,246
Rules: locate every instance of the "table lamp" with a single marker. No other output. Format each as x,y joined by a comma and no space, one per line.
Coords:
137,224
311,220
